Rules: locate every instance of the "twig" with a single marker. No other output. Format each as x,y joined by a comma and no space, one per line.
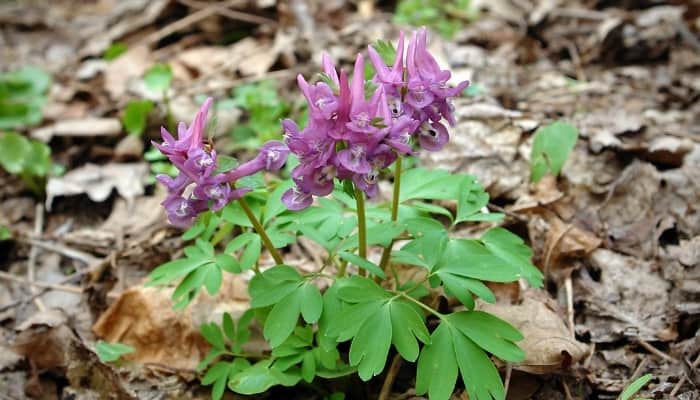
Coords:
569,287
567,391
225,85
638,371
653,350
43,285
506,384
390,377
223,10
553,246
34,252
677,387
86,258
183,23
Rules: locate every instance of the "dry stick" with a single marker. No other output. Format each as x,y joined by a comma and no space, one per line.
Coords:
509,372
42,285
86,258
223,10
684,377
34,252
638,371
390,377
279,74
553,246
185,22
653,350
569,287
567,391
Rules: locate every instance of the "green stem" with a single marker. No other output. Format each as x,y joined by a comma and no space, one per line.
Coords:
261,231
386,255
361,223
421,305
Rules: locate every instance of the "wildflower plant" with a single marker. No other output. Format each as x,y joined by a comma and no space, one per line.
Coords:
358,132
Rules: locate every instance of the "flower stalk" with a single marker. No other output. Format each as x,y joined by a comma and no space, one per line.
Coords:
261,231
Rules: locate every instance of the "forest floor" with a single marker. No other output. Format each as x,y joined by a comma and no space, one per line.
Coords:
617,234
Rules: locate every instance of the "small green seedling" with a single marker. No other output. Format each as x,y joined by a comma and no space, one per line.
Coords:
5,233
111,352
135,116
635,387
551,148
114,51
446,17
29,159
22,95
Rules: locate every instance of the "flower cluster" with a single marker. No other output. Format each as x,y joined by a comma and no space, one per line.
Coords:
354,135
199,186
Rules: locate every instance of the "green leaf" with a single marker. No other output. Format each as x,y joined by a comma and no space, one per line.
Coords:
436,184
228,263
407,325
225,163
228,327
274,205
472,199
282,319
14,148
212,279
635,387
212,334
5,233
273,285
308,367
480,376
38,159
251,254
470,258
358,289
311,302
174,269
428,247
386,51
437,366
135,116
114,51
362,263
489,332
345,326
110,352
370,347
158,78
261,377
550,149
511,249
216,372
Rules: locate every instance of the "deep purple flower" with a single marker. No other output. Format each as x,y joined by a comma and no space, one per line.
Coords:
296,200
432,136
197,165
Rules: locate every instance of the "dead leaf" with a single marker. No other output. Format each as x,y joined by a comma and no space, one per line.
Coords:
50,344
83,127
627,300
98,181
144,318
129,67
549,345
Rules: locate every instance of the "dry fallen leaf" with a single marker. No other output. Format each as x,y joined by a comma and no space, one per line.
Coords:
79,127
50,344
549,345
144,318
628,299
98,181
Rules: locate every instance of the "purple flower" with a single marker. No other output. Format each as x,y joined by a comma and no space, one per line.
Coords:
354,135
432,136
296,199
197,165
